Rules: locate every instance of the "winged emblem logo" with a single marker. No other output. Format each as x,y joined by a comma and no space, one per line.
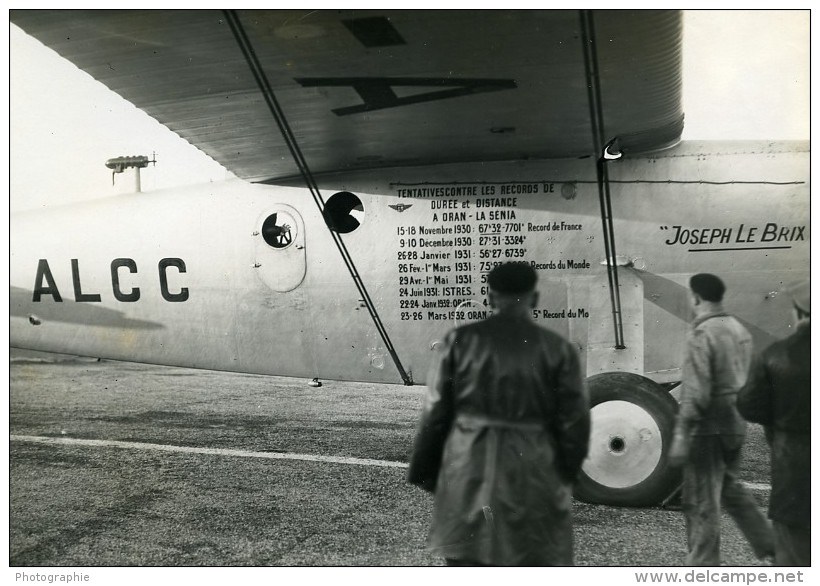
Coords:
400,207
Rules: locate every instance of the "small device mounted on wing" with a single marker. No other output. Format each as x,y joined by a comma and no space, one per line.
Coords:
120,164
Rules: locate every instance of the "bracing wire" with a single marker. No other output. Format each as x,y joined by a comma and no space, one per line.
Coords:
290,139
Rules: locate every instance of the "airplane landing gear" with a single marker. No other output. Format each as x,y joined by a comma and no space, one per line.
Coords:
632,423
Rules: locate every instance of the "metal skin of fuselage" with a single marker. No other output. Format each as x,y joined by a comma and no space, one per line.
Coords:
186,278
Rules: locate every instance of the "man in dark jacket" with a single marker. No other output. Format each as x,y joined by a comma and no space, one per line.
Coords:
778,396
709,432
502,436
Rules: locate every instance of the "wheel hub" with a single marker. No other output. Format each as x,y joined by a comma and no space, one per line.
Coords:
625,444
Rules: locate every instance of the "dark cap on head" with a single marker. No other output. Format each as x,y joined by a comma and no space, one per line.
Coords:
512,277
708,287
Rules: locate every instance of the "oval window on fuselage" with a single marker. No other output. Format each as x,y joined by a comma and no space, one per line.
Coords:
279,230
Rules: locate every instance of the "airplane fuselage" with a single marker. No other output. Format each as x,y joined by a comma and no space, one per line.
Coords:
246,277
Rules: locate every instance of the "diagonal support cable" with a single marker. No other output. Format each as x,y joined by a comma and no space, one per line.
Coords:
290,139
597,121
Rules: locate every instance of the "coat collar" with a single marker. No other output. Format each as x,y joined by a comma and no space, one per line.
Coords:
702,318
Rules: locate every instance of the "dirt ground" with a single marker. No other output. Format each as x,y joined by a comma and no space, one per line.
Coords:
105,504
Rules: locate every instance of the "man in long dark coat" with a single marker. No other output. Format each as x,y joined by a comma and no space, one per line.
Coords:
502,436
778,396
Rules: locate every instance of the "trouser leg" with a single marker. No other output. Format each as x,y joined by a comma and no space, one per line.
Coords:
792,545
702,481
742,507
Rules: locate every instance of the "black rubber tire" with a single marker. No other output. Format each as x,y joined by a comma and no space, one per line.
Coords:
662,408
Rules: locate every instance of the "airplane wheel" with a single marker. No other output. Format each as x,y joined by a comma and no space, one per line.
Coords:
633,419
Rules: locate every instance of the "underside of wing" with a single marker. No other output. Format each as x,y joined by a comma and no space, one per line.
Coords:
366,89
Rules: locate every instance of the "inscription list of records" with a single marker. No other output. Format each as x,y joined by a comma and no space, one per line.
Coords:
443,262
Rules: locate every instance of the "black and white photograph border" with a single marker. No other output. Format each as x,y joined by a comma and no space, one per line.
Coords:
227,292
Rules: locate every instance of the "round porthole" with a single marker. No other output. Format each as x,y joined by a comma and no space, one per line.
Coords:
343,212
279,230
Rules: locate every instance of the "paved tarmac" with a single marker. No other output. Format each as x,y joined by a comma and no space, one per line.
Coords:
120,464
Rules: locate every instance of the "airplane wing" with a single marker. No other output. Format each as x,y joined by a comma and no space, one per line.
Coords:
381,88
